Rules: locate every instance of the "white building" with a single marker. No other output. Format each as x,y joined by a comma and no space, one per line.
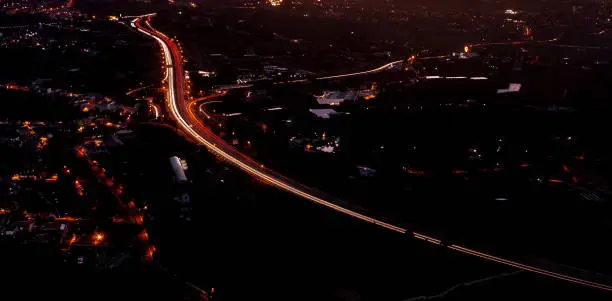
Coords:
323,113
334,98
177,169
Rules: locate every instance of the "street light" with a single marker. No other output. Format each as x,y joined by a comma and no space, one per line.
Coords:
98,238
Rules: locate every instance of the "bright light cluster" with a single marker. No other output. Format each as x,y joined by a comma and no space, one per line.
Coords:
511,12
275,2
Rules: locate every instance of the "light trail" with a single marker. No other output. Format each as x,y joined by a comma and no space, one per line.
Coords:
139,16
381,68
551,43
155,109
217,146
375,70
137,89
205,103
465,284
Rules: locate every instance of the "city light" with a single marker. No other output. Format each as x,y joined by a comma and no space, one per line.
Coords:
420,143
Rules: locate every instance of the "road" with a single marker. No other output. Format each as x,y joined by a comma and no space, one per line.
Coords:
381,68
547,43
192,127
201,109
154,108
138,89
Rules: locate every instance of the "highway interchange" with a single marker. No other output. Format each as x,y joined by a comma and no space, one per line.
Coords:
191,126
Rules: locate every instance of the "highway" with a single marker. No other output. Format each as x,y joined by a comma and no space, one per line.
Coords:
192,127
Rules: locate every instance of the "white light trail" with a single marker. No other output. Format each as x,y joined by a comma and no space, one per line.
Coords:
381,68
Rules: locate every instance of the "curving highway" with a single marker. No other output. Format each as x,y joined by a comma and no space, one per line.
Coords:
192,127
